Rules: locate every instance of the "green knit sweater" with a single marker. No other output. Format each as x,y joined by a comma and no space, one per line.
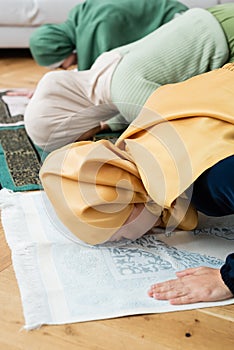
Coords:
191,44
225,15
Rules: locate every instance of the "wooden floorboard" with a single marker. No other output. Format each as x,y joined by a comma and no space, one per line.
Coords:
5,253
202,329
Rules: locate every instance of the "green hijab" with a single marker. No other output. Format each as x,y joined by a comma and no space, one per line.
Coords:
96,26
52,43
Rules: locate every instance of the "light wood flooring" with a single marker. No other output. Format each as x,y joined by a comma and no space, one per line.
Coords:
211,328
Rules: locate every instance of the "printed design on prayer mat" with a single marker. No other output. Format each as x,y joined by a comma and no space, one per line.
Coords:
148,255
5,115
19,160
22,161
221,232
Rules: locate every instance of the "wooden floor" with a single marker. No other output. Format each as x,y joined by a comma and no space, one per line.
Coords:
211,328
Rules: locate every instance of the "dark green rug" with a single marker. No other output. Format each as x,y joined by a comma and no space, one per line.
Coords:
20,160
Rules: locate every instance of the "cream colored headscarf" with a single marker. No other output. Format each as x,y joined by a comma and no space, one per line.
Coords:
182,130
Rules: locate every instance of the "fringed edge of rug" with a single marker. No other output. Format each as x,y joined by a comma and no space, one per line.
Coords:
24,256
31,290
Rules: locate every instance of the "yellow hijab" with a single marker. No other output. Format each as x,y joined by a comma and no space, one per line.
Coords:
182,130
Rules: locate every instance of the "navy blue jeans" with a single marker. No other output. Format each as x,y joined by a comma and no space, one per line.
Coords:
213,191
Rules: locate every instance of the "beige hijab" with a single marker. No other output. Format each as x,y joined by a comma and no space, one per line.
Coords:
182,130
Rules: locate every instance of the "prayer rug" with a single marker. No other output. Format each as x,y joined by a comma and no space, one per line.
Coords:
19,159
63,280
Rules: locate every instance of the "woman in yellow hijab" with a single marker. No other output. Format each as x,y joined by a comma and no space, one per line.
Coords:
183,139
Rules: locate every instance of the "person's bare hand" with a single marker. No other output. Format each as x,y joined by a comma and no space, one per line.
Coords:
26,93
88,135
192,286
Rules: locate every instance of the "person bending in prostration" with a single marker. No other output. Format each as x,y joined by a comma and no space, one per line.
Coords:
175,159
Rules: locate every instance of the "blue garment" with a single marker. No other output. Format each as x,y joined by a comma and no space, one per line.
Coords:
213,194
213,191
227,272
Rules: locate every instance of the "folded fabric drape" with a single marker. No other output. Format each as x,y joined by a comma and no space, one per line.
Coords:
187,127
182,130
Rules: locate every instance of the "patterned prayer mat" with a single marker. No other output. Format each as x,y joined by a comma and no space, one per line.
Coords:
62,280
19,159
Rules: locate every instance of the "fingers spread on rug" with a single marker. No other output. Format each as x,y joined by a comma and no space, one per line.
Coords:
192,286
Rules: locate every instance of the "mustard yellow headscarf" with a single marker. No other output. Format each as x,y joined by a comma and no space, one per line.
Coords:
182,130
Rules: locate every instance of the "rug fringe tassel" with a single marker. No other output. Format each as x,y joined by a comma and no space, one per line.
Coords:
30,287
